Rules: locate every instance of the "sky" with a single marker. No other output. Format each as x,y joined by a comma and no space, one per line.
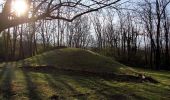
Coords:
1,5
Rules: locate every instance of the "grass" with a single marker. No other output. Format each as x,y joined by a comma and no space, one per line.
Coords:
22,84
77,59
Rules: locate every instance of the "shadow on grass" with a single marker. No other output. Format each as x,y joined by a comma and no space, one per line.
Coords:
31,87
6,84
60,85
96,85
7,75
105,75
84,79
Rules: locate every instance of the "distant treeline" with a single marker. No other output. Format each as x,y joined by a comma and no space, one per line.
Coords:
138,37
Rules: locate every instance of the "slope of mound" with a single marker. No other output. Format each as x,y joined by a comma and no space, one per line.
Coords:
76,59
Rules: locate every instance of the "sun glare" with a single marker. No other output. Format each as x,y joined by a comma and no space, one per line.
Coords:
19,7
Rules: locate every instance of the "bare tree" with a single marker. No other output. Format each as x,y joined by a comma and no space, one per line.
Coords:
47,9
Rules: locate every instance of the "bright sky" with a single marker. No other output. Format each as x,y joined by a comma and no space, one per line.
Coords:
1,1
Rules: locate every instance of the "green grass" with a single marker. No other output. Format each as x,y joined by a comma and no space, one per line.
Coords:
18,84
76,59
22,84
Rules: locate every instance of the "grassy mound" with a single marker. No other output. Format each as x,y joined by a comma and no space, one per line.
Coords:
77,59
83,62
38,81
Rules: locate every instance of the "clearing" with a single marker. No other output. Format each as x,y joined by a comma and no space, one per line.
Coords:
78,74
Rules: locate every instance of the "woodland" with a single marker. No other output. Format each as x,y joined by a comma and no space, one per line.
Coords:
84,49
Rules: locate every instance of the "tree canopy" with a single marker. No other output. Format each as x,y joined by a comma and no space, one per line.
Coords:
51,9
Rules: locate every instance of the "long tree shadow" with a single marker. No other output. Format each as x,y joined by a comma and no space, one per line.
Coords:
91,83
31,87
87,82
88,79
2,68
105,75
54,72
65,89
103,89
6,86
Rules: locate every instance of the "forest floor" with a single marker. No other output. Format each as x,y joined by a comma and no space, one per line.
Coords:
17,83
